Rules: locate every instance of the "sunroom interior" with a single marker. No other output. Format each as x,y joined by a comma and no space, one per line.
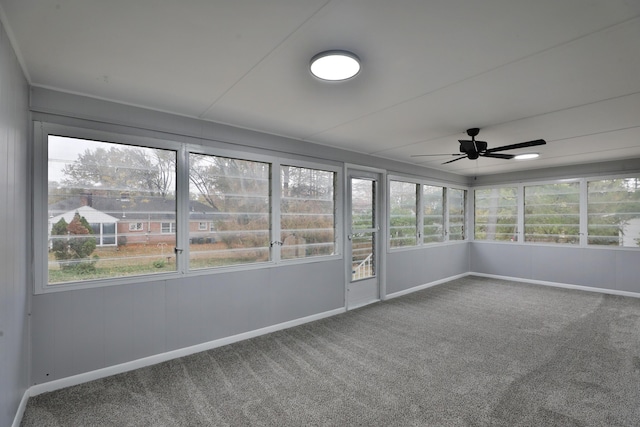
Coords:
241,194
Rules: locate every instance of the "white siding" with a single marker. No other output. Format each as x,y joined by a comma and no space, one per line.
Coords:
14,221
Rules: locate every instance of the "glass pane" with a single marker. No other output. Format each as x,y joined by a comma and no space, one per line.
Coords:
457,202
496,214
363,256
96,191
362,204
433,214
403,208
614,212
552,213
307,212
232,197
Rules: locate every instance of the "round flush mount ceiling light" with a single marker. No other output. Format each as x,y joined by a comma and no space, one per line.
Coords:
335,65
527,156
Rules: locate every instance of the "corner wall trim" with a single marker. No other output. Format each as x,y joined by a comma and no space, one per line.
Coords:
425,286
17,420
559,285
163,357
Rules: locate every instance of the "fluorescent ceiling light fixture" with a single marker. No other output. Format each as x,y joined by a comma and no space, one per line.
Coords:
527,156
335,65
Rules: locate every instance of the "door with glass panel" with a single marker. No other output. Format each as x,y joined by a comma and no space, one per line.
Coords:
362,239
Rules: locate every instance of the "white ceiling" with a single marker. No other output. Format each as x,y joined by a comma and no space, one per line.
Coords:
567,71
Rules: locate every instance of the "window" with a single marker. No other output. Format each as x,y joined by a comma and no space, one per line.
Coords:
432,214
403,213
136,226
307,212
233,196
457,201
496,214
98,192
202,226
552,213
168,228
614,212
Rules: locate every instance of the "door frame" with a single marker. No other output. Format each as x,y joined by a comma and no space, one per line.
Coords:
349,171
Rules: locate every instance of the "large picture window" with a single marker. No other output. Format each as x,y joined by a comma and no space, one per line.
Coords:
614,212
100,197
552,213
307,212
496,214
403,214
234,196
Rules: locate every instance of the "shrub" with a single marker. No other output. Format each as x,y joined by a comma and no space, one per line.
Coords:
74,249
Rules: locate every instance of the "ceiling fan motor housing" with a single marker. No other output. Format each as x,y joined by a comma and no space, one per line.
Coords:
473,148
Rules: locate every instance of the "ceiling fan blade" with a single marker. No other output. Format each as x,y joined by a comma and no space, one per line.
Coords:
498,155
520,145
455,160
427,155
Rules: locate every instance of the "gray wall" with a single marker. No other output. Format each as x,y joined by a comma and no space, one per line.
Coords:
414,267
83,330
614,269
14,215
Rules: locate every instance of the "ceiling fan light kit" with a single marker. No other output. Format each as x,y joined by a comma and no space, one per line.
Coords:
526,156
472,149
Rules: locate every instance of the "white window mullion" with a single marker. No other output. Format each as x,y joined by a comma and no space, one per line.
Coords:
276,193
520,210
182,211
420,215
445,213
584,213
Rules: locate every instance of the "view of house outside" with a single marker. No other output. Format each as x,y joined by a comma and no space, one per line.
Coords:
112,211
124,198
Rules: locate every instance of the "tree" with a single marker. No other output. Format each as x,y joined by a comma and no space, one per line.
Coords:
239,191
229,184
74,249
612,203
119,169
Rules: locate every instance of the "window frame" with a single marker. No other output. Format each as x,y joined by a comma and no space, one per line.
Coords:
136,226
337,208
182,145
583,201
519,213
42,131
171,225
420,183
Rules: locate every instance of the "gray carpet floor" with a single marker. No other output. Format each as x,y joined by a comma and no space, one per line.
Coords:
471,352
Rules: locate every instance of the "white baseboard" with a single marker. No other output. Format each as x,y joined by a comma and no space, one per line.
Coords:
425,286
163,357
559,285
20,412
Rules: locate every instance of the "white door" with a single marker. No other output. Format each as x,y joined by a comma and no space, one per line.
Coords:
362,238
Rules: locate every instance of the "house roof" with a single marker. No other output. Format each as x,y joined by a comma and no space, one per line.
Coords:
130,209
90,214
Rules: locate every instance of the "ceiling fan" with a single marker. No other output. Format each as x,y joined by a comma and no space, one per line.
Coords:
472,149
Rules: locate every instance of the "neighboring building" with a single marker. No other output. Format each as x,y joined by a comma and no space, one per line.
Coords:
134,220
103,225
